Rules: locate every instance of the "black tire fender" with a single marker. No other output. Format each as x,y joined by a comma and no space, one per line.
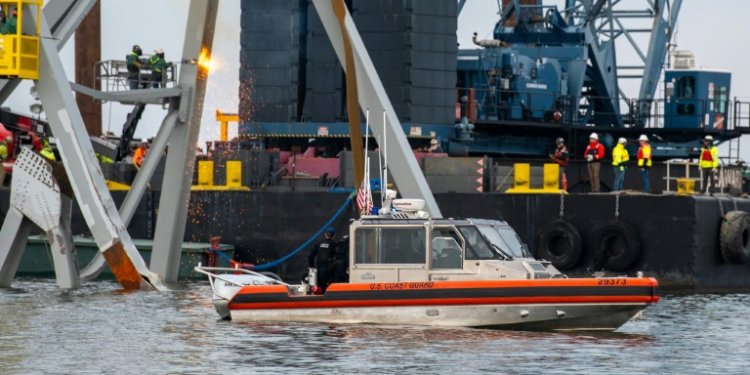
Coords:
560,243
734,237
615,245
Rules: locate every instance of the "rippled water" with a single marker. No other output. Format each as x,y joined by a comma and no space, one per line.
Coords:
100,329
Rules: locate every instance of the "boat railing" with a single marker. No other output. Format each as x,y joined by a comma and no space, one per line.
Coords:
212,274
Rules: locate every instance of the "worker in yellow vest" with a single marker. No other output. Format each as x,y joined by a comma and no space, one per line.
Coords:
620,156
4,156
4,148
46,151
644,162
709,164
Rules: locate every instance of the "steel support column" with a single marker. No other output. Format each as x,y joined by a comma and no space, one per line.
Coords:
404,168
138,188
170,229
63,248
15,232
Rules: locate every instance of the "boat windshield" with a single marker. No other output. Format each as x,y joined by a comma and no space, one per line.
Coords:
506,239
476,245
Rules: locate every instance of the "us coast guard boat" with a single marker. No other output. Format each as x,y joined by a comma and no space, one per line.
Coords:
408,269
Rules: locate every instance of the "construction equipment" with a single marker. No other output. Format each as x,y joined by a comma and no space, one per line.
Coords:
19,42
224,119
180,130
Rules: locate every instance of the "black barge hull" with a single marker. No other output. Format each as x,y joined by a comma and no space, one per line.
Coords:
678,235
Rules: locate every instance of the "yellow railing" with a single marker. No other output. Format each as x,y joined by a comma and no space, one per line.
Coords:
19,51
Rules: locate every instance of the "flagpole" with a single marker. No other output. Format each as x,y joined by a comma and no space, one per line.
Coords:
367,130
368,196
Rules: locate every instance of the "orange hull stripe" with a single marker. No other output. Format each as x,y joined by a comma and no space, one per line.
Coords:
634,282
443,301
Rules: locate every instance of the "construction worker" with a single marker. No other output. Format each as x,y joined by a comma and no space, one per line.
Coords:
620,156
4,143
3,157
322,258
9,25
709,164
594,154
644,162
103,159
140,153
133,61
46,151
561,157
158,65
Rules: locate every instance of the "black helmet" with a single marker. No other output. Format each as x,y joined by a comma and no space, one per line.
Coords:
559,141
137,49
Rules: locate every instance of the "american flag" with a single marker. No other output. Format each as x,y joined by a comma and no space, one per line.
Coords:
364,198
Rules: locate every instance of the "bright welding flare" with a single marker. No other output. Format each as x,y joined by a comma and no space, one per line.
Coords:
204,60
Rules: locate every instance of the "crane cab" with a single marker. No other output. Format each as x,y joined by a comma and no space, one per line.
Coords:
19,40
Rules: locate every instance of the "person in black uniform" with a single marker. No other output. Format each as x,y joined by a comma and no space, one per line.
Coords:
341,261
322,258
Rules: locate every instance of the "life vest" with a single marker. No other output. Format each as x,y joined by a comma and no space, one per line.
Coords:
140,153
561,156
709,157
644,156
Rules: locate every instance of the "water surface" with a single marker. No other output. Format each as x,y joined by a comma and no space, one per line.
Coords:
101,329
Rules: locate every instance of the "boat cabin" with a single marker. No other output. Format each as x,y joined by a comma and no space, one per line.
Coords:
384,249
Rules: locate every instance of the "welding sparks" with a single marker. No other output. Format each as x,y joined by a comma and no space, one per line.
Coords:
205,61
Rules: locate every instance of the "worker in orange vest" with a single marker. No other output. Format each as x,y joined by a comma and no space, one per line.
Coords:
709,164
644,162
140,153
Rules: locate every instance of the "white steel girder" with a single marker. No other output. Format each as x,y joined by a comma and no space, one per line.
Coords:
178,175
403,165
84,173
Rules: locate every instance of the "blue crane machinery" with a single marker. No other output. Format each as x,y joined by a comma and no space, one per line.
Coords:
549,72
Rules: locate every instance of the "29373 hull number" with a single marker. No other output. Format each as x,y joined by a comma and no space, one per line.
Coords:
613,282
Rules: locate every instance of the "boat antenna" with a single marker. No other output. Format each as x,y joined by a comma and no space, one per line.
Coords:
384,167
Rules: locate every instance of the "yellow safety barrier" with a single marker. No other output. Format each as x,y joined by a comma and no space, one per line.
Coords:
522,180
117,186
685,186
234,173
551,177
205,173
19,50
206,177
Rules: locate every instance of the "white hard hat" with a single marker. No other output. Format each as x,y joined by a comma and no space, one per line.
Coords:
622,141
709,138
594,136
144,140
643,138
434,141
158,51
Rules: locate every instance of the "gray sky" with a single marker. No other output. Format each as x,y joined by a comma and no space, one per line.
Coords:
708,28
